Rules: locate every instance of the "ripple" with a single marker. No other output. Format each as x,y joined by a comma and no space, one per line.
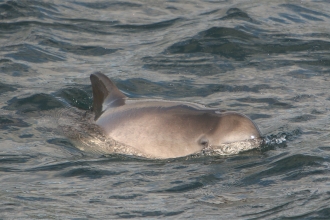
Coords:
78,49
34,199
130,196
183,187
34,54
303,118
145,27
216,40
236,13
34,103
272,103
6,88
291,17
285,166
24,8
299,9
13,159
61,142
88,173
190,65
79,97
144,214
14,69
270,60
112,5
138,87
8,121
244,43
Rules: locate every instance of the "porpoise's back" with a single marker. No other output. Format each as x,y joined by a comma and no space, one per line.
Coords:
165,129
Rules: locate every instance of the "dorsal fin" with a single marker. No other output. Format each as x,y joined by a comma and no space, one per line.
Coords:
105,93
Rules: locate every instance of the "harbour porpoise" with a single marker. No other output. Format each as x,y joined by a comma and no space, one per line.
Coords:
168,129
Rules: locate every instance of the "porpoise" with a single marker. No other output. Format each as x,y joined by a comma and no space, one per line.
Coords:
167,129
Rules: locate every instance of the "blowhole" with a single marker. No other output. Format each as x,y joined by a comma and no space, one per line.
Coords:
204,142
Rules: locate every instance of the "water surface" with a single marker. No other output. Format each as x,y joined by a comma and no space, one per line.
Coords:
270,61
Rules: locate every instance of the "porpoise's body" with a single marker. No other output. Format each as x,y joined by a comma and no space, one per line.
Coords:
165,129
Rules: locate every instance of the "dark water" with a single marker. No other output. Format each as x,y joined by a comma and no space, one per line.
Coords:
267,59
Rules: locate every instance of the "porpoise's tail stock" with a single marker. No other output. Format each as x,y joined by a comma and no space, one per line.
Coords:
105,93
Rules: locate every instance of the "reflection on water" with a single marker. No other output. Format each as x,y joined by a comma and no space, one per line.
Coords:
267,60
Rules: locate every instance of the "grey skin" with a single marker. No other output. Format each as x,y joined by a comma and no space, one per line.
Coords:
164,129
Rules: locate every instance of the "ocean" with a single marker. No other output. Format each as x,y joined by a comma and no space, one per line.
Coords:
269,60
